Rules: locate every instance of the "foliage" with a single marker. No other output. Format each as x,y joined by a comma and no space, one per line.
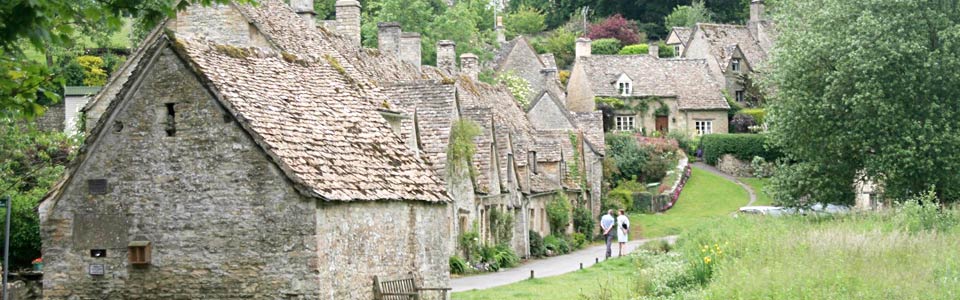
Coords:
623,195
575,168
741,123
758,114
578,240
635,49
754,92
616,27
643,202
520,88
628,157
457,265
72,73
615,278
93,72
469,244
665,51
687,16
851,101
923,213
524,20
684,141
583,220
33,161
761,168
505,257
558,213
462,148
741,146
564,77
501,226
605,46
561,43
731,11
557,244
537,248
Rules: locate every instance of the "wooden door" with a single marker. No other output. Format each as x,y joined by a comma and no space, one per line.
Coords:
662,125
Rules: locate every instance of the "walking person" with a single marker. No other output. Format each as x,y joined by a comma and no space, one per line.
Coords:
623,228
606,223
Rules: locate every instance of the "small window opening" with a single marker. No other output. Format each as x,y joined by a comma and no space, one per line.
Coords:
97,186
117,126
171,127
139,252
227,118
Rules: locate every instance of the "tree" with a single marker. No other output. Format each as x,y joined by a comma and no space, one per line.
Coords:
687,16
51,24
854,100
616,27
525,20
561,43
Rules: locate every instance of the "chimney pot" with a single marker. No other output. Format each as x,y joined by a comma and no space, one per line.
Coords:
348,19
446,56
584,48
388,38
410,48
304,8
501,36
470,65
756,10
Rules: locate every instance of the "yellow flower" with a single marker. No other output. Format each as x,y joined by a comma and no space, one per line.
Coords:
706,259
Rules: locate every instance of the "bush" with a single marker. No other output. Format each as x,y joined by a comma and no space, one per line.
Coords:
525,20
643,202
505,257
578,240
564,77
501,225
665,51
457,265
616,27
606,46
624,193
561,43
583,220
684,141
558,213
758,114
72,73
556,244
93,72
762,168
635,49
741,146
537,247
470,245
741,123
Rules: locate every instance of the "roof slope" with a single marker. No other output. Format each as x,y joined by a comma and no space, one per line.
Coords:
309,116
687,79
683,33
723,39
431,108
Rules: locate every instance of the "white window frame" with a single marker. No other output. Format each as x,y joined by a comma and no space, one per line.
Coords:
740,95
704,126
735,65
625,123
677,49
624,85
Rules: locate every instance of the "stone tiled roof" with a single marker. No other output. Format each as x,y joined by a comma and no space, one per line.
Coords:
312,119
507,48
723,38
548,60
686,79
592,125
683,33
431,105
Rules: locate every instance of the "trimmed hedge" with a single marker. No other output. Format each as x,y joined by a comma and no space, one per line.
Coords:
606,46
758,114
741,146
634,49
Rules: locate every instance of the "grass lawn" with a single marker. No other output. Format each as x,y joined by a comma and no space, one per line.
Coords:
705,198
616,276
757,185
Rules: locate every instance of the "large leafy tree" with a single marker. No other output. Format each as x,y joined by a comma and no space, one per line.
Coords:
687,16
867,88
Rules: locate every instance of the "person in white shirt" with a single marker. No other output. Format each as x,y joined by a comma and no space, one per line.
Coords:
623,228
607,223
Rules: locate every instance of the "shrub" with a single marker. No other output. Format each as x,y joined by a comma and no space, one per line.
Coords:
657,246
578,240
558,213
683,141
556,244
505,257
626,155
761,168
470,245
665,51
741,123
537,247
525,20
923,213
606,46
624,193
635,49
93,72
489,257
518,87
643,202
758,114
72,73
561,43
583,220
615,27
457,265
564,77
741,146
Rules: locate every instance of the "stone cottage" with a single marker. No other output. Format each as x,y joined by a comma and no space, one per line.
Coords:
678,39
648,93
733,51
222,171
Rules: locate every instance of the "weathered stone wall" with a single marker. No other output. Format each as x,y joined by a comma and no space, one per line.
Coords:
447,56
348,19
524,62
594,169
579,94
719,118
357,241
388,38
410,48
222,220
218,22
547,115
52,120
729,164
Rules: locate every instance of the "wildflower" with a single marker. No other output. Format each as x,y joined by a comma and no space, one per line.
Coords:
706,259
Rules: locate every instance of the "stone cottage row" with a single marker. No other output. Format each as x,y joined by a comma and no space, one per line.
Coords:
245,151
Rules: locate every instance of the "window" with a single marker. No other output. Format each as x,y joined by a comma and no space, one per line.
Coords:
624,85
735,65
704,127
532,157
625,123
171,123
97,186
740,95
677,50
139,252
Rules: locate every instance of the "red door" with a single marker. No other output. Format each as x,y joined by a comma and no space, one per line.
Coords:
662,124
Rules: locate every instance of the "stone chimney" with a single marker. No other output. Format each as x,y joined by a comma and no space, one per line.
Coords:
447,56
348,20
501,36
410,48
654,50
756,10
549,74
388,38
470,65
584,48
304,8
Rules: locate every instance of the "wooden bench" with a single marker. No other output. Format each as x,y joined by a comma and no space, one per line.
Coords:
404,288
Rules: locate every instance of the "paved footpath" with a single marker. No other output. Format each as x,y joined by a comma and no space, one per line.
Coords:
711,169
552,266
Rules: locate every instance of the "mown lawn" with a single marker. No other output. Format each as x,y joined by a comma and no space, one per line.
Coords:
757,184
615,277
705,198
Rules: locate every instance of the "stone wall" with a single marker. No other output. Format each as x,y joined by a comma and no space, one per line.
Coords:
524,62
718,117
547,115
357,241
222,220
52,119
217,22
729,164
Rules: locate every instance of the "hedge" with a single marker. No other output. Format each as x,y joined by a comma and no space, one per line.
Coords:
758,114
741,146
634,49
606,46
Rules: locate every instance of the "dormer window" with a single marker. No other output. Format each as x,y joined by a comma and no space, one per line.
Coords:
532,161
624,85
735,65
677,50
